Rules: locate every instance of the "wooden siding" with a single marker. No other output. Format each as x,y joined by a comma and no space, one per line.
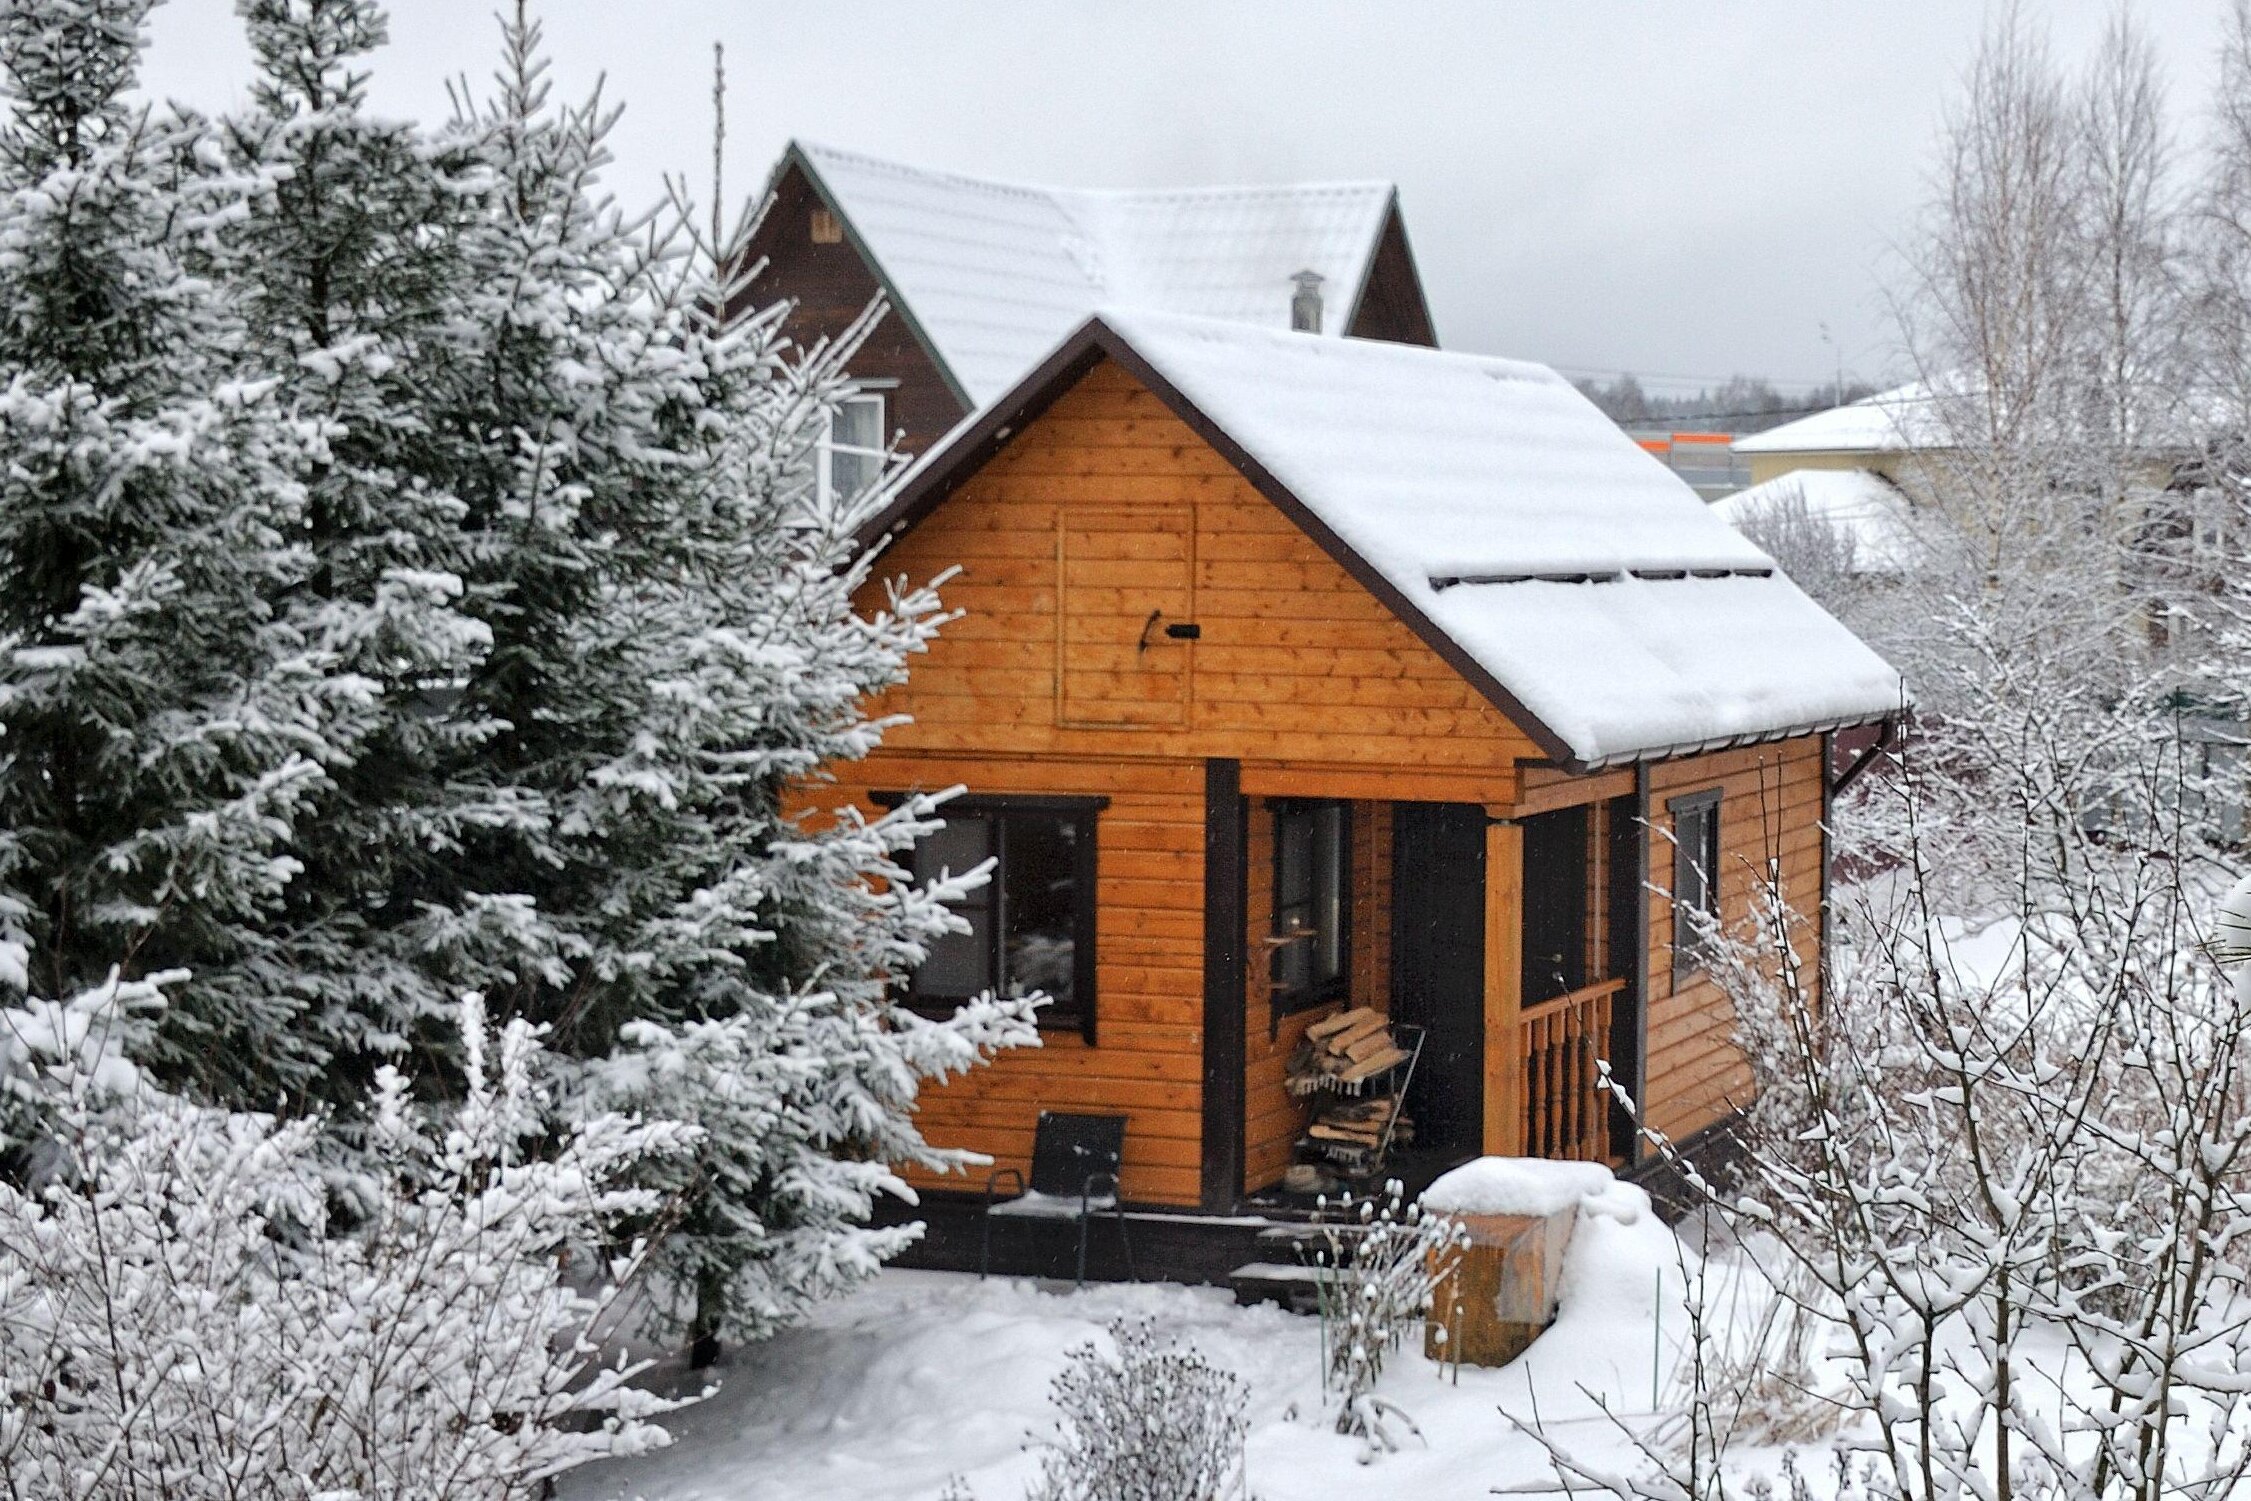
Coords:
1148,1061
1770,810
1392,305
831,285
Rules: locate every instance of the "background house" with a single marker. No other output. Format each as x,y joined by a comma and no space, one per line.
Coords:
981,278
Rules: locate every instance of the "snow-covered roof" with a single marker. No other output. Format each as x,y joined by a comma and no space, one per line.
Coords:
995,273
1905,417
1863,505
1585,589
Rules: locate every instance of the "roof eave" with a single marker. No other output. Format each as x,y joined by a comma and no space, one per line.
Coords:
964,451
1583,766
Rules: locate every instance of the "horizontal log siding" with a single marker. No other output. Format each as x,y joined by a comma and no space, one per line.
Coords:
1299,673
1770,809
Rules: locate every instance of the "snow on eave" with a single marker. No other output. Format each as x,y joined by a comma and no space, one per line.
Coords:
802,155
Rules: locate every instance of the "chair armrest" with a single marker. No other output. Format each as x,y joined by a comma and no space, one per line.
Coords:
992,1182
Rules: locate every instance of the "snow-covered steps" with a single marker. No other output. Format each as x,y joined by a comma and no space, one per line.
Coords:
1293,1285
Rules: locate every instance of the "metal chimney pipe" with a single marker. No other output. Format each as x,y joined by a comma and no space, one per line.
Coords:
1305,302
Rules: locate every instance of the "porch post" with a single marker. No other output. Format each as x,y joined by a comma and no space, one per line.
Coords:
1226,924
1504,981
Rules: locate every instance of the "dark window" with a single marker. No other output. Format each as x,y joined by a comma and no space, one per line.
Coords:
1031,928
1696,865
1555,905
1312,939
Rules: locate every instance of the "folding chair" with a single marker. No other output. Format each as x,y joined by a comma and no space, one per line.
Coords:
1075,1165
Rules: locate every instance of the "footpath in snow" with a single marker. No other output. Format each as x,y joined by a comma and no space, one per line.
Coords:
925,1375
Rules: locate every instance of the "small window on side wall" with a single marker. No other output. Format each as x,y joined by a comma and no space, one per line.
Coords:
1696,869
853,454
1312,938
1031,927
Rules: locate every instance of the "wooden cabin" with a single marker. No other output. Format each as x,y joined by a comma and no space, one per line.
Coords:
979,279
1297,673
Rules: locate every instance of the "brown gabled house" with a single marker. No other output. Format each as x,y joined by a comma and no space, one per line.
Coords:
1300,673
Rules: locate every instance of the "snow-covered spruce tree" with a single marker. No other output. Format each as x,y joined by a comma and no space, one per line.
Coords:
581,813
178,1321
351,271
166,711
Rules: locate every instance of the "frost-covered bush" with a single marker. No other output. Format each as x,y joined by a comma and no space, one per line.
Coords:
1380,1261
180,1317
1144,1421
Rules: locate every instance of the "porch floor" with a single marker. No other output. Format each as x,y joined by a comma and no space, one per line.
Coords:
1415,1168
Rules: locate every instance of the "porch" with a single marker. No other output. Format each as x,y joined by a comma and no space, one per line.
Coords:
1501,944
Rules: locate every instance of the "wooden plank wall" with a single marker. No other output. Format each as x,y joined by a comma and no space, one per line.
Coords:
1770,809
1299,673
1275,1119
1149,923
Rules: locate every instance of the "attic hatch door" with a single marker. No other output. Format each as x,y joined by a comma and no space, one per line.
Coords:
1125,644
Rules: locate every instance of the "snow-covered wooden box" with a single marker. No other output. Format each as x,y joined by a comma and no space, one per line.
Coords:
1519,1214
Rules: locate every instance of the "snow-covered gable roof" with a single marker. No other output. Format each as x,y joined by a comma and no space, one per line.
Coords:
995,273
1586,590
1862,504
1905,417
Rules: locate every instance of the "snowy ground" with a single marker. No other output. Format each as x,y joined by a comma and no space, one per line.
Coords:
924,1375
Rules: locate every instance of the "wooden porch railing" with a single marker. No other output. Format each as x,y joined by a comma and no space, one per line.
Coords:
1559,1041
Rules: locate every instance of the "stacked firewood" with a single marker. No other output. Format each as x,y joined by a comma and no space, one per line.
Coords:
1342,1052
1361,1123
1351,1055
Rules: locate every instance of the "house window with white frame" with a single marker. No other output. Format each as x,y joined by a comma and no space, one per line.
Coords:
853,452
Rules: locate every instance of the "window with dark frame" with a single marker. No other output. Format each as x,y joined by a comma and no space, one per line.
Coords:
1312,930
1031,927
1696,864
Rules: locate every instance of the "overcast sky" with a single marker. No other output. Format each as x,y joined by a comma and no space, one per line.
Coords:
1675,189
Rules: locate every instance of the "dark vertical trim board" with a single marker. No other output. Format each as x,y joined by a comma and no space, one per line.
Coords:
1639,1083
1226,924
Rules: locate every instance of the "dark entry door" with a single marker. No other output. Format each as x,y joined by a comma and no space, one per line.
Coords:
1438,966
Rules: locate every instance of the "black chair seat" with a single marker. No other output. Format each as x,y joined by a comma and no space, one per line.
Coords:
1076,1160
